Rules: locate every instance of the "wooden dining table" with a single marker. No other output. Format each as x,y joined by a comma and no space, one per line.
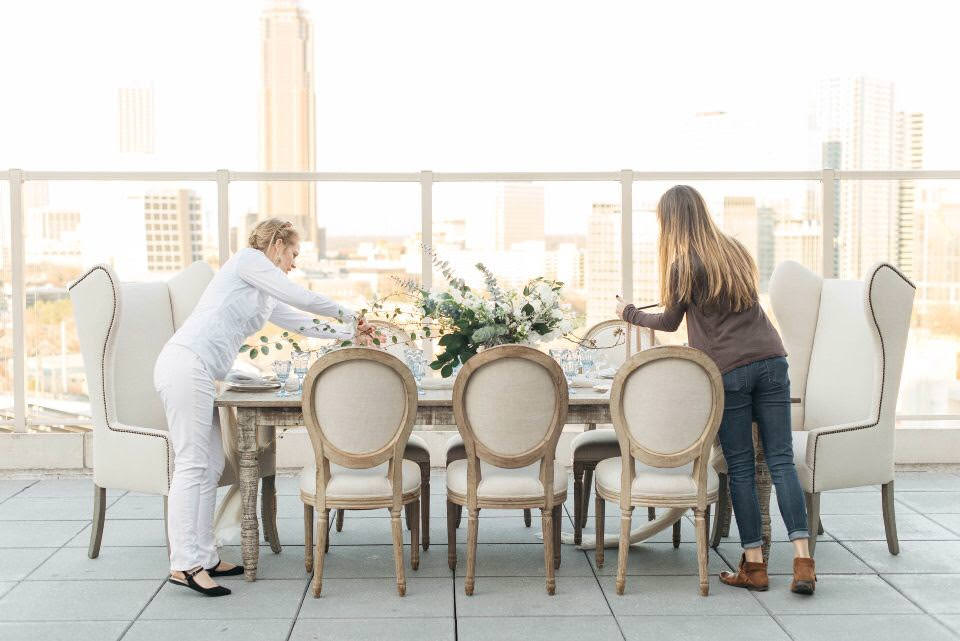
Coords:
259,412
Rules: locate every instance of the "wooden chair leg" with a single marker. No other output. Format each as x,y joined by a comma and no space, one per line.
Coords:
820,528
425,505
813,518
889,518
676,533
473,521
452,515
548,558
268,512
99,514
556,536
598,528
587,487
700,521
723,507
459,514
397,530
340,514
624,551
527,517
328,523
308,537
651,513
166,523
415,535
323,524
577,502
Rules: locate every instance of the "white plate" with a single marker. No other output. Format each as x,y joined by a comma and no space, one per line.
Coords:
601,388
253,387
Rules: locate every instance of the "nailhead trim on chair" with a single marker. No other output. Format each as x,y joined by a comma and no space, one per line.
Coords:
103,358
883,368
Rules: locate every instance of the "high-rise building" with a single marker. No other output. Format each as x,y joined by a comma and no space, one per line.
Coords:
173,231
53,236
519,214
287,125
937,253
797,239
135,127
909,156
602,276
753,227
856,120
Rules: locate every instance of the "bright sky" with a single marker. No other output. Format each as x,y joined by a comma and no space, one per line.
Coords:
455,86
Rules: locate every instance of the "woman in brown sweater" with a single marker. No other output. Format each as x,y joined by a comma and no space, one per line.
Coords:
711,279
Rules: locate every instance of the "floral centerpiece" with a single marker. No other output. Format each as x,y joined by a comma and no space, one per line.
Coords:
468,320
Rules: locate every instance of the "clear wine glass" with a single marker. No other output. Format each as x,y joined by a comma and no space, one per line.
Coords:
282,370
415,362
570,366
301,363
587,361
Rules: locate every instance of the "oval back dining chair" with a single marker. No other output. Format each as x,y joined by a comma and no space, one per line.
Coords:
510,404
359,406
666,404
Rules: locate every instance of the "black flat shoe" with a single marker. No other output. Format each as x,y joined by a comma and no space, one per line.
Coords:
217,590
234,571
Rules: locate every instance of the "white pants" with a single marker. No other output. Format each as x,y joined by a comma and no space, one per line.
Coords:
188,394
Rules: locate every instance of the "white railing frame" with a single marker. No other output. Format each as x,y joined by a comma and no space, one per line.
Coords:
426,178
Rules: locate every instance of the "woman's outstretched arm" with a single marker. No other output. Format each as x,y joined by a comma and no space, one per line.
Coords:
666,321
292,319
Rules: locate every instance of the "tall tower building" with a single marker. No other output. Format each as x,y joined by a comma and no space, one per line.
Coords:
753,227
287,125
602,270
519,214
909,156
173,230
135,126
856,120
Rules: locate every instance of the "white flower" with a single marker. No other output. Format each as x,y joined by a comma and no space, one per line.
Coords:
565,326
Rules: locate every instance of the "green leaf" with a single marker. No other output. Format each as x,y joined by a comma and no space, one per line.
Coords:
446,370
316,321
376,341
264,339
445,356
426,330
527,309
346,343
264,350
393,337
253,352
244,347
413,336
285,334
278,345
437,364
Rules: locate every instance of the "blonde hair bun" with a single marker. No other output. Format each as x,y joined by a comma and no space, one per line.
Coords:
268,231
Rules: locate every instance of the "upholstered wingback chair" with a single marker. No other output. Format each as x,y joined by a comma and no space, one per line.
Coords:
845,342
122,327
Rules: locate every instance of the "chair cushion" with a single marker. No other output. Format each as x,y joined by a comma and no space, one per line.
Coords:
667,482
417,449
455,441
456,450
367,483
595,445
500,483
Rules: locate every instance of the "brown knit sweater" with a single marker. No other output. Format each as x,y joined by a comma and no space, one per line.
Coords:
731,339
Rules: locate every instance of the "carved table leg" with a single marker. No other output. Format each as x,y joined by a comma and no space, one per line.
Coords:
249,477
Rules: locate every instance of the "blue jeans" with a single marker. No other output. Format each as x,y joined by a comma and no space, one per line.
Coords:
760,392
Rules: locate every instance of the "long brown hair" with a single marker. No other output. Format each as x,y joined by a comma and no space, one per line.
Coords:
687,235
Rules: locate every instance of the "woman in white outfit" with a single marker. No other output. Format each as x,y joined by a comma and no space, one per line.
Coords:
250,289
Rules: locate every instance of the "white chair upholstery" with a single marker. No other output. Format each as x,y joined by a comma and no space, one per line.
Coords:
666,404
845,342
122,327
359,406
510,403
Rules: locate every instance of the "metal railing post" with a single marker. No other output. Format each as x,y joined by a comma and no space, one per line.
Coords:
223,214
828,224
18,301
626,234
426,227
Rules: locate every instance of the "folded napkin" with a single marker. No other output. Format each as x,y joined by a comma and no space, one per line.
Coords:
581,381
246,378
608,372
437,383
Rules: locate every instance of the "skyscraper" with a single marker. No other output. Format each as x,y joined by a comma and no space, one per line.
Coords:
909,156
519,214
172,230
135,127
602,276
287,125
753,227
855,117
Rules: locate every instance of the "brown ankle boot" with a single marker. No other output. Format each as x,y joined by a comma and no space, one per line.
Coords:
804,576
752,576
